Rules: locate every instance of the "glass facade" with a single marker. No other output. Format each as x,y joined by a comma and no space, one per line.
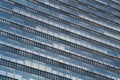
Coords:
59,40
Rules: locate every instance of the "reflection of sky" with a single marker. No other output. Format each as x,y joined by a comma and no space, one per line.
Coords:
87,21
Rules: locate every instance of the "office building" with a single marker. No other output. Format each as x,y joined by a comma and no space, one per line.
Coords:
59,40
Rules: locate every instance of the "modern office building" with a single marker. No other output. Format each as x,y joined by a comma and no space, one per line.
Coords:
59,40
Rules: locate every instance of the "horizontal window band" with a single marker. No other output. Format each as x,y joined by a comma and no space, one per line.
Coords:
85,11
53,38
58,19
61,52
75,7
107,6
46,15
103,11
39,22
49,61
57,39
105,45
115,2
42,73
28,69
43,14
69,14
4,77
